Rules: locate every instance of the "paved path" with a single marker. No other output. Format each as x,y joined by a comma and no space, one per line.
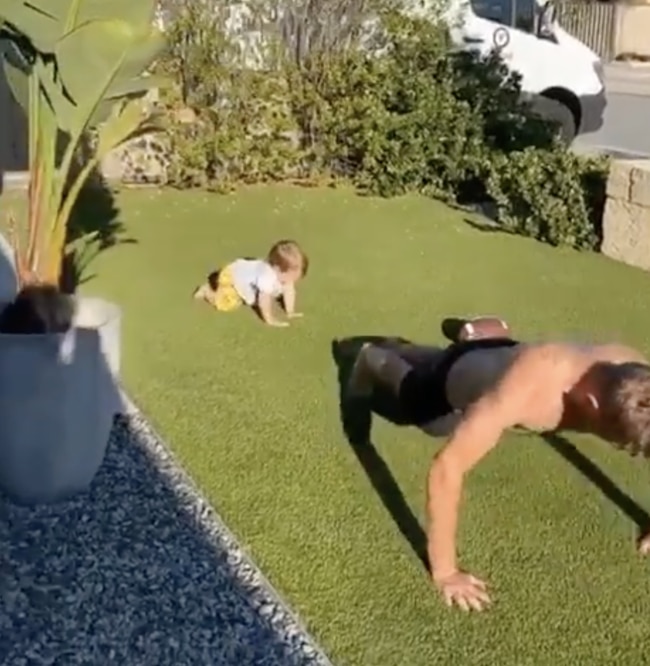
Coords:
626,130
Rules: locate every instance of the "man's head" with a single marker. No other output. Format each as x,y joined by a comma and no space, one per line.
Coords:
289,260
619,395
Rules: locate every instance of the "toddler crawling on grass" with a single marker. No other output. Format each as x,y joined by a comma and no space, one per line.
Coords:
258,283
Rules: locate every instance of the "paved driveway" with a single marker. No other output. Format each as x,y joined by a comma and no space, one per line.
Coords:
626,130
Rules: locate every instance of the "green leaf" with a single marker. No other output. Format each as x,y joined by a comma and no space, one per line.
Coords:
44,22
38,22
61,105
113,55
123,123
89,58
138,13
134,89
150,44
138,86
16,72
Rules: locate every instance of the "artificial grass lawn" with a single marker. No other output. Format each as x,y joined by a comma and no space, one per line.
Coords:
253,415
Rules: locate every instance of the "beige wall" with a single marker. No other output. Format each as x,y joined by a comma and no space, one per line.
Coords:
626,221
633,29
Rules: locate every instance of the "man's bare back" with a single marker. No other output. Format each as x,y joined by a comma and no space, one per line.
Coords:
541,387
553,368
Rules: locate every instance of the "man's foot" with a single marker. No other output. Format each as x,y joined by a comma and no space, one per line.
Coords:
478,328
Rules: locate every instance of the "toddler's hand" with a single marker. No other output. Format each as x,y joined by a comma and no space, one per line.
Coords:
295,315
278,324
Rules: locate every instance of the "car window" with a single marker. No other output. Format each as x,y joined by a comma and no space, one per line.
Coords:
513,13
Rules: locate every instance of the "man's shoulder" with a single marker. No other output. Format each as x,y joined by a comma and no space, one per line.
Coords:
567,360
576,351
547,366
583,353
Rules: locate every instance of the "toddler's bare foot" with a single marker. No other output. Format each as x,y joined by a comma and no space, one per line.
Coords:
203,293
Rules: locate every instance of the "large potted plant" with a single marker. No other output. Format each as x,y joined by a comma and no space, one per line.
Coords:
74,66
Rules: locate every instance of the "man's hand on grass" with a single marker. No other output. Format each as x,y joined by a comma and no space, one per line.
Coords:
644,545
463,590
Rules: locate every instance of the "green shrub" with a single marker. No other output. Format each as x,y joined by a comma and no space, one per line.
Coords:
243,129
494,93
245,139
552,195
408,115
392,124
420,137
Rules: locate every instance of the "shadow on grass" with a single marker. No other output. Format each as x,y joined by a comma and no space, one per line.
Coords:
356,418
94,226
485,226
598,478
135,571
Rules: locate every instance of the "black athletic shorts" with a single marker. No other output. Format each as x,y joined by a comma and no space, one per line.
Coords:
423,392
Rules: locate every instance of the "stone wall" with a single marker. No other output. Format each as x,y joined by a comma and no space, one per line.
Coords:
626,222
141,161
633,34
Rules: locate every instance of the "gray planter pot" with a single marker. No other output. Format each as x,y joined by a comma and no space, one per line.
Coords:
58,397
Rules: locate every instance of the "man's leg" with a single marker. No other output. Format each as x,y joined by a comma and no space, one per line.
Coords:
443,426
387,364
404,369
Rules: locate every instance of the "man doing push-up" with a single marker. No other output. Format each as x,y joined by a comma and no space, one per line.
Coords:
485,383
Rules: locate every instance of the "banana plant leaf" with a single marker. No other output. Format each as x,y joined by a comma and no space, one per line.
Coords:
40,25
16,70
44,22
112,48
139,13
139,51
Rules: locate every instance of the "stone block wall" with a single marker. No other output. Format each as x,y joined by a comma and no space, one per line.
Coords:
626,222
143,160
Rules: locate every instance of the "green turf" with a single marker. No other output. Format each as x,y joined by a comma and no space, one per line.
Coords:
252,413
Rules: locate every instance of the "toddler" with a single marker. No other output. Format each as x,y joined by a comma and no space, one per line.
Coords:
258,282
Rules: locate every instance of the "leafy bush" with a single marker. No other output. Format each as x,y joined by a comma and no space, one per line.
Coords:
228,123
395,123
242,139
295,95
552,195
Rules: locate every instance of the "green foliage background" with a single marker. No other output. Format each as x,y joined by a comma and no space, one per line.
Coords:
360,91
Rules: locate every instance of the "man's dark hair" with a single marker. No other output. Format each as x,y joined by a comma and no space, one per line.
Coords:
626,403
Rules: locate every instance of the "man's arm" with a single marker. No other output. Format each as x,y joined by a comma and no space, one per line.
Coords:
476,435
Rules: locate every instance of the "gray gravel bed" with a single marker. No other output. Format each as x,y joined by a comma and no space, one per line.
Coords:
139,570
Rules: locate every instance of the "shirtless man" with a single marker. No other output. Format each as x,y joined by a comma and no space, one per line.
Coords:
477,389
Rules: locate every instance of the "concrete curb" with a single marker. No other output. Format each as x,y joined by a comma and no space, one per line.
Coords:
318,657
